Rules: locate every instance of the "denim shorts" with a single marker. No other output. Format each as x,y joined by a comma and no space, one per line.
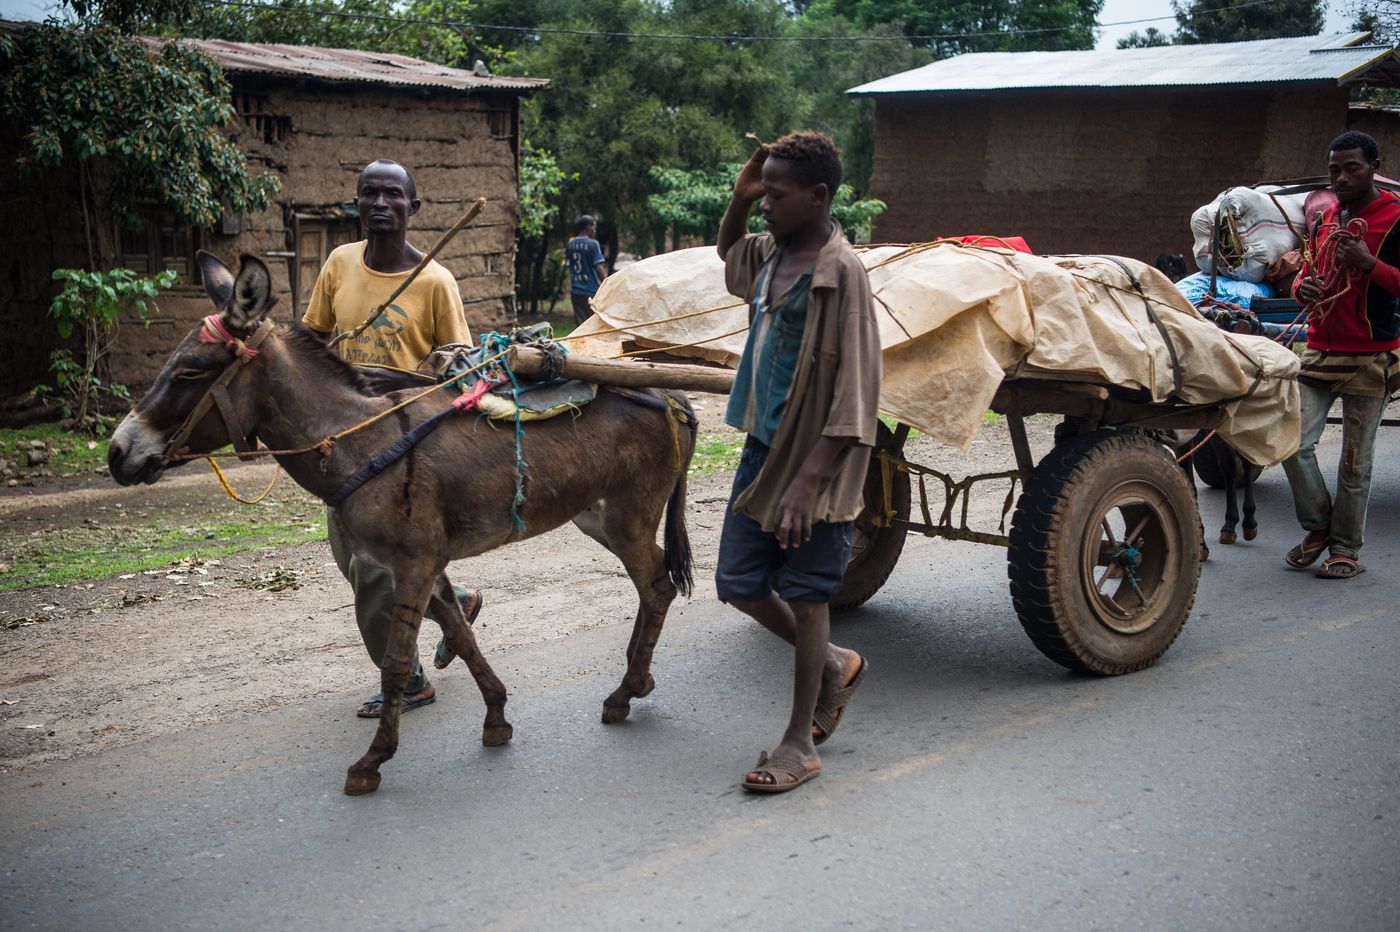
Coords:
751,564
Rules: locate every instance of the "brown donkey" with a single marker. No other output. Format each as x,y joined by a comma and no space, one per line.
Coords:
613,470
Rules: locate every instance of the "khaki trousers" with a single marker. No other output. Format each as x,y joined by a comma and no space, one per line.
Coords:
373,586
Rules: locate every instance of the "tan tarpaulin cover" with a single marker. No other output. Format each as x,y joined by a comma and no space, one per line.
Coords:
955,320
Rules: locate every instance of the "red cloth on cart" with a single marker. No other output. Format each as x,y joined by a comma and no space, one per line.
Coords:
1005,242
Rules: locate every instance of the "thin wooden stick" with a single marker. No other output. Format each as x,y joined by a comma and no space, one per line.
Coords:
457,227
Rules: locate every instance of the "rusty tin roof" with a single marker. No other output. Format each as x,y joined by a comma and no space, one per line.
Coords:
355,67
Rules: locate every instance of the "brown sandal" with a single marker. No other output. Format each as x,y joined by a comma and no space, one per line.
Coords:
373,707
831,705
788,773
1306,553
1340,567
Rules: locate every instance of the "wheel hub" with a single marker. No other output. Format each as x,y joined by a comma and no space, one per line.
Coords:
1129,557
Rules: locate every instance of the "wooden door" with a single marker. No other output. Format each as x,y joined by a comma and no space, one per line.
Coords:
315,238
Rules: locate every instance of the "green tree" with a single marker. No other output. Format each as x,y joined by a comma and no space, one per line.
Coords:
1149,38
1241,20
978,25
133,124
1381,18
694,202
372,25
618,107
820,73
541,188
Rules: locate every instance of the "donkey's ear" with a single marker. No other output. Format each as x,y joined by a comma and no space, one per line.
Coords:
252,294
218,280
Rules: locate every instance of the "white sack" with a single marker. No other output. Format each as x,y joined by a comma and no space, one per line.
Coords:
955,320
1262,224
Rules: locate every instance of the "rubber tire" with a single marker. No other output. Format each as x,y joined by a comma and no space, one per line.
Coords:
871,567
1208,468
1056,516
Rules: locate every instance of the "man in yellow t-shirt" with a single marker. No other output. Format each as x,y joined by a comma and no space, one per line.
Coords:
427,314
355,279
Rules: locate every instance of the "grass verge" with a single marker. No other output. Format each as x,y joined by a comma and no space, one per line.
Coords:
59,557
715,452
67,454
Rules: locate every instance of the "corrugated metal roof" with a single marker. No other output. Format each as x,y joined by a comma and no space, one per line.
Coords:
1338,58
352,66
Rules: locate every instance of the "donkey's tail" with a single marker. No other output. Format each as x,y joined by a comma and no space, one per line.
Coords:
679,560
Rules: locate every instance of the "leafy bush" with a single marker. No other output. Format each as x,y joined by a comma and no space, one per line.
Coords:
91,304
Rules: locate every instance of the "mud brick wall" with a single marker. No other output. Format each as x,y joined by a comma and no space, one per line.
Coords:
45,232
1093,170
446,139
1383,125
332,132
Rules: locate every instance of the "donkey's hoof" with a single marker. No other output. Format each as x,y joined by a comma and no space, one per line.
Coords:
361,782
493,736
1227,537
1250,533
612,713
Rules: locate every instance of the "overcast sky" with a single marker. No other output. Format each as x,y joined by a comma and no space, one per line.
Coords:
1113,11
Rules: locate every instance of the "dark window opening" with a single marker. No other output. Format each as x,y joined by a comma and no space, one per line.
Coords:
157,242
253,109
499,124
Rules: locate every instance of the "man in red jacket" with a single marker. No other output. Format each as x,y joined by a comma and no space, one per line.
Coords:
1351,285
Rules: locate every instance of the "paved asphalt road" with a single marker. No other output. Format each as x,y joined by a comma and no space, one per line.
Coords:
1247,781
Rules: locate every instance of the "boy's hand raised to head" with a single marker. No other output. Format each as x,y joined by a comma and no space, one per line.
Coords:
749,185
748,190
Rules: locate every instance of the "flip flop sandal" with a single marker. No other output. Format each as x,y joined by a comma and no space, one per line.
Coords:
788,773
1305,554
374,705
830,706
1340,568
441,656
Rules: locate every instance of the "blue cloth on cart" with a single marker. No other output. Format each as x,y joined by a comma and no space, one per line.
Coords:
1196,288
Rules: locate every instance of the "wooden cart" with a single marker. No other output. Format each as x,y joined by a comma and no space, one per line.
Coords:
1104,550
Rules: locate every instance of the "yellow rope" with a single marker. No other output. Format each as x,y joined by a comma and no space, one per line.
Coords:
228,487
676,413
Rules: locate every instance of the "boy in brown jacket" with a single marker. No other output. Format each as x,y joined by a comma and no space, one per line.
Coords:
805,392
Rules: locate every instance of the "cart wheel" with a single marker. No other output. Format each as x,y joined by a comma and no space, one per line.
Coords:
1207,465
1105,553
875,549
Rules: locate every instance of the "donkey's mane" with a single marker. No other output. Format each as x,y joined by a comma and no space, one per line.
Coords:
310,346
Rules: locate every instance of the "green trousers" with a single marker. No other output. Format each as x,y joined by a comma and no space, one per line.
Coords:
373,586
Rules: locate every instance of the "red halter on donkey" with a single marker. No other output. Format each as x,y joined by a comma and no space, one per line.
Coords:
613,469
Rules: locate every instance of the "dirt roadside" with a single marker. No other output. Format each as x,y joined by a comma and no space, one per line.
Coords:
122,659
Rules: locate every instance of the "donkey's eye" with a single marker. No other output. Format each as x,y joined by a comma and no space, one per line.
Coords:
189,374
